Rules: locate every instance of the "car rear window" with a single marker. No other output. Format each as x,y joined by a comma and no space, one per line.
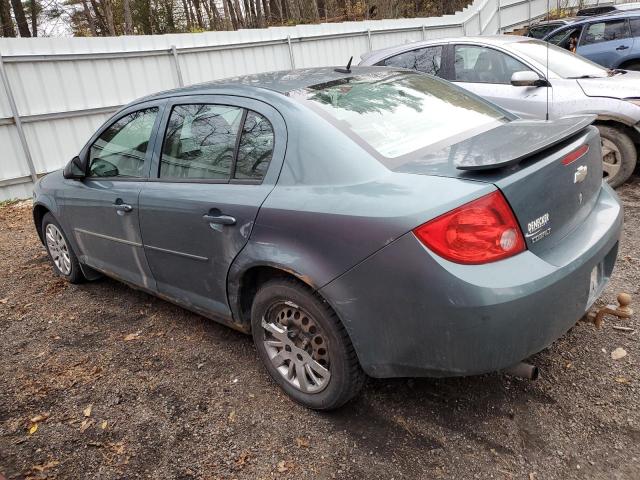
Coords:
398,113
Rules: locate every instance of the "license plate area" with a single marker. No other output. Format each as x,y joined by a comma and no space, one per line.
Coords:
596,283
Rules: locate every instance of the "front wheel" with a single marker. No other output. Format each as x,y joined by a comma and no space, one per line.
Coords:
619,155
65,262
304,346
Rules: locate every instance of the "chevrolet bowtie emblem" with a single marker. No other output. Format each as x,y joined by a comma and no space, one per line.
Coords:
580,174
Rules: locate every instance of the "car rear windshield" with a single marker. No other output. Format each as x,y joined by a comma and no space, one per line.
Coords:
398,113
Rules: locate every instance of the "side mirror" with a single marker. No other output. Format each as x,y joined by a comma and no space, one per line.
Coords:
75,169
527,79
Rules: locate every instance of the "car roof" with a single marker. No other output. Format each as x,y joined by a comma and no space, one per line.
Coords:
614,15
277,83
564,21
495,40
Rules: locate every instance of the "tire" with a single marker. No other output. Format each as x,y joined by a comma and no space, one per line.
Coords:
300,317
63,258
619,155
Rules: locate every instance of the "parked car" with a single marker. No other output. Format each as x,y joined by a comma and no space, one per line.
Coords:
542,28
511,71
606,9
358,221
609,40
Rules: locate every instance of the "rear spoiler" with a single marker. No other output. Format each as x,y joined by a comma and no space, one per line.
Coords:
514,141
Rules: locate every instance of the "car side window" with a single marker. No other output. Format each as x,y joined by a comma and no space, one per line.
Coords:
255,148
425,60
605,32
121,149
635,26
474,64
200,142
566,38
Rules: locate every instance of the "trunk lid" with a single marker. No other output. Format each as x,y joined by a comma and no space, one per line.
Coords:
524,159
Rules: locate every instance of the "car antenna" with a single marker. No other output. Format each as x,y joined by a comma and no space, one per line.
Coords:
548,83
345,70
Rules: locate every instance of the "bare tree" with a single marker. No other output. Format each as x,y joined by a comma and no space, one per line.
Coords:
128,21
8,29
21,18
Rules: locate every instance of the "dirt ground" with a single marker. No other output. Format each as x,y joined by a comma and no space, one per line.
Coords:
101,381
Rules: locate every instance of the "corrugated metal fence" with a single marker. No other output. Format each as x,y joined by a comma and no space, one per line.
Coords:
57,91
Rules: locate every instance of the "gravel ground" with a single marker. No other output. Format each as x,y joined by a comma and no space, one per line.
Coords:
101,381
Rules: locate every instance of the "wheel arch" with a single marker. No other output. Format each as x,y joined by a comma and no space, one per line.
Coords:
244,283
614,122
39,211
628,61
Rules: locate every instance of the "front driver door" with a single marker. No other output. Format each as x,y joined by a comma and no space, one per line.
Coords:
218,162
487,72
101,210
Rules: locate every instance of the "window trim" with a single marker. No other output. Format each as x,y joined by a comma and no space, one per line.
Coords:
116,117
198,100
489,47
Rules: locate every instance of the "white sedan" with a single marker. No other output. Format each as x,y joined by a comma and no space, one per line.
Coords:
531,78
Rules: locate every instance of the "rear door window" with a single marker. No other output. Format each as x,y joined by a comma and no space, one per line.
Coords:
255,148
425,60
216,143
605,32
200,142
635,26
475,64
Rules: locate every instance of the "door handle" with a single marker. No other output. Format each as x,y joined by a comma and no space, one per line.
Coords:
622,47
219,219
122,207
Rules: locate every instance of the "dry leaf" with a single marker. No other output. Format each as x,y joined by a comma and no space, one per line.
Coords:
103,425
622,380
33,429
618,353
117,448
87,411
4,300
302,442
232,416
39,418
282,466
242,459
131,336
45,466
86,424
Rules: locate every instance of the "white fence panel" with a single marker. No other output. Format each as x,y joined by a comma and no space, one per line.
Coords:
64,88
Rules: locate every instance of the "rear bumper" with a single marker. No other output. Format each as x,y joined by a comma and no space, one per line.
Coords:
412,313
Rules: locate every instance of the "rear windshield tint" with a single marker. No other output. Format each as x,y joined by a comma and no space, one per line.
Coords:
398,113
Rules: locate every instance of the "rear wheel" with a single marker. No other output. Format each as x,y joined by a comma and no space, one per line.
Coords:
619,155
65,262
304,346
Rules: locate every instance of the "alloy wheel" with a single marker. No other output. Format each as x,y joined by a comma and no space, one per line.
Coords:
58,249
297,347
611,159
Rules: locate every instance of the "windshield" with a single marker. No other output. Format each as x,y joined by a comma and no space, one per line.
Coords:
562,62
397,113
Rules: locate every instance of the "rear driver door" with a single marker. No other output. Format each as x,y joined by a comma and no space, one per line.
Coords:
216,161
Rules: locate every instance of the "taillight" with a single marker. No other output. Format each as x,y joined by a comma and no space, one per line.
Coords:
481,231
575,155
